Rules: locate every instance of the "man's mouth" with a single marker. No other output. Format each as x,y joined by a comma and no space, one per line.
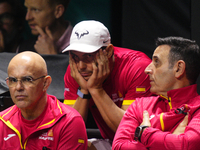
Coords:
32,26
85,74
20,97
151,80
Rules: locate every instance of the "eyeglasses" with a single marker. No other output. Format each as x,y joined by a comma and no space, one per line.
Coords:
27,80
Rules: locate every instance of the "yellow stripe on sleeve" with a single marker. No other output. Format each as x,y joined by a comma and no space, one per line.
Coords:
162,122
69,102
127,102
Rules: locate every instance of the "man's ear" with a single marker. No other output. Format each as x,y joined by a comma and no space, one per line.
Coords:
59,11
179,68
47,82
7,82
110,50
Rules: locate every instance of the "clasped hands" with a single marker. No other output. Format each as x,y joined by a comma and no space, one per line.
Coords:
179,130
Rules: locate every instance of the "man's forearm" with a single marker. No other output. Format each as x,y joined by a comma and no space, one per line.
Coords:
82,106
153,138
109,111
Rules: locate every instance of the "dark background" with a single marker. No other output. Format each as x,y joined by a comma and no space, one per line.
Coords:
135,24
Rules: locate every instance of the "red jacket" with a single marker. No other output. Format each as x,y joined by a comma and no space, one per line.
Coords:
61,128
165,116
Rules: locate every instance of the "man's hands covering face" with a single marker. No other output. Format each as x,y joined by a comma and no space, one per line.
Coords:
101,71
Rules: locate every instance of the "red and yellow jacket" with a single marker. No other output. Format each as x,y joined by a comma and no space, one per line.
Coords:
165,115
61,128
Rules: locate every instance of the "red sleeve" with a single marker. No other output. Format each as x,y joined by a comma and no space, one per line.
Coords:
70,86
73,135
152,137
138,84
124,137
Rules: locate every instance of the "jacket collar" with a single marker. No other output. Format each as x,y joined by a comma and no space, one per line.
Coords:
180,96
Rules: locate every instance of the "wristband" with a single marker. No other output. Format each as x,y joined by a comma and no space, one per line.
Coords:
84,96
138,132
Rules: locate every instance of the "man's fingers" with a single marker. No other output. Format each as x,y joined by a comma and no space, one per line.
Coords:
146,120
185,121
107,67
95,71
145,116
48,32
41,32
181,127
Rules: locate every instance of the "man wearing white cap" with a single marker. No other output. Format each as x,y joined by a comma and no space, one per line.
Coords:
103,78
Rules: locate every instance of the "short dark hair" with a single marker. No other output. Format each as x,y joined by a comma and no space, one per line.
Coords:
65,3
186,50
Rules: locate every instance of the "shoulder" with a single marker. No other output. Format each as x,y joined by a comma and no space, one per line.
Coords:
129,56
60,109
9,112
69,111
145,102
126,51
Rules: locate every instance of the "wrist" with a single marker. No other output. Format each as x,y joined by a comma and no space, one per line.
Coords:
83,90
138,132
84,94
94,91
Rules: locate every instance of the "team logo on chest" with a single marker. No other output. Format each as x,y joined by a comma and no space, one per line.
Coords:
47,136
117,97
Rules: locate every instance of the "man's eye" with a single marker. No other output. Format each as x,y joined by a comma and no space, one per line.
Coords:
75,58
27,79
89,55
12,80
156,62
35,10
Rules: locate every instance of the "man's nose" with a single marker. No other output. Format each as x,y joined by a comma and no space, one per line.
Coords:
82,65
19,85
148,69
28,15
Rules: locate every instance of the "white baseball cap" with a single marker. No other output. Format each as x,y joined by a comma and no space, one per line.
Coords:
88,36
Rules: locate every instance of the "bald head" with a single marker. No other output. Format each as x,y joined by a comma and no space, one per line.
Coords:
29,61
28,83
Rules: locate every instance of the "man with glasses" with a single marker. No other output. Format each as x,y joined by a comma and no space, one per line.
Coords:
37,120
101,78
